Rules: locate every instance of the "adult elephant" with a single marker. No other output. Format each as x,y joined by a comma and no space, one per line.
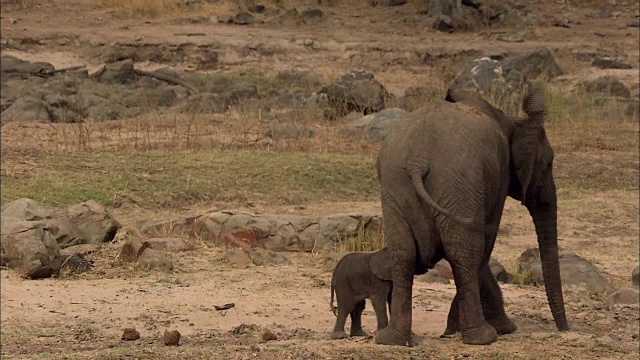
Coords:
445,173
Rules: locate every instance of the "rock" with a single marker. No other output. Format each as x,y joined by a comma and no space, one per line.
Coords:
381,122
120,72
59,226
75,263
239,257
500,272
224,19
243,18
131,250
607,63
171,244
12,65
625,295
356,91
607,85
94,222
534,64
130,334
154,259
279,232
312,15
181,226
239,91
635,276
256,8
574,271
261,256
441,273
268,335
27,108
28,247
82,249
171,338
490,78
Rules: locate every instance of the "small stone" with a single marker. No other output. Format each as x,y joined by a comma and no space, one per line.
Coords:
243,18
626,295
171,338
269,336
130,334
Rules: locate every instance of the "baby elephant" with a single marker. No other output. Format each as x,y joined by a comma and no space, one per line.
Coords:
353,281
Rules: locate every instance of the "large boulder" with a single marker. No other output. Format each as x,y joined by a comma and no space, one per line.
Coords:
534,64
356,91
59,226
490,78
15,67
28,247
28,108
377,125
574,271
94,221
607,85
120,72
282,232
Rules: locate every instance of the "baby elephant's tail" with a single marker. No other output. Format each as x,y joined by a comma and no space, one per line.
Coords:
333,308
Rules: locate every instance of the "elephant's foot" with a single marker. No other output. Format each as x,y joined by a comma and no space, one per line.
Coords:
450,331
503,325
358,332
483,335
338,335
389,336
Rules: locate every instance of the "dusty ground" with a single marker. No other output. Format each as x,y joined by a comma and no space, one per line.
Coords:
83,316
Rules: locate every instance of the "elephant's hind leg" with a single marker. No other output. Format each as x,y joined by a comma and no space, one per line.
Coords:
493,304
401,243
343,311
464,249
356,319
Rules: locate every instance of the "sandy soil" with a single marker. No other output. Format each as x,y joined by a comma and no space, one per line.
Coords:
83,316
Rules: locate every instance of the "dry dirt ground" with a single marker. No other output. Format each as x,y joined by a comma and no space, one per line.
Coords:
83,316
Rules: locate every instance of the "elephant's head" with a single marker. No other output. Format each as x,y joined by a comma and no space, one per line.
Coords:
532,183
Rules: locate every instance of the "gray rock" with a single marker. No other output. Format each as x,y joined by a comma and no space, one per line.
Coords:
381,122
120,72
625,295
574,271
27,108
154,259
312,15
355,91
607,85
59,226
28,248
93,221
635,277
415,97
243,18
12,65
534,64
606,63
490,78
261,256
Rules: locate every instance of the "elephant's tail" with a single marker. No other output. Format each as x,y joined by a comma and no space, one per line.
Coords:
334,309
416,174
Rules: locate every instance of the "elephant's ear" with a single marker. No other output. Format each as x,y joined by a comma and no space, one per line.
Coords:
527,137
381,264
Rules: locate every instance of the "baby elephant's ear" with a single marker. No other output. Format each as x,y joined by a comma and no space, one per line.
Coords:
381,264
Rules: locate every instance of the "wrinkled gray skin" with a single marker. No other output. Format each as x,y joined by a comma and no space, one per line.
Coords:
445,173
353,282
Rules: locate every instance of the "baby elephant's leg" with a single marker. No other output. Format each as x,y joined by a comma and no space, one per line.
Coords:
356,319
379,301
344,309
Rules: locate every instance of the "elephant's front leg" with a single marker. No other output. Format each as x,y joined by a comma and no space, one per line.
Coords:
403,252
379,301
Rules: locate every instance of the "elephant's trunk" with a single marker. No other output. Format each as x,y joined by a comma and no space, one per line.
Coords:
546,224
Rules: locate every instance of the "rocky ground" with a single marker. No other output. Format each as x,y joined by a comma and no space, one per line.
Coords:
215,124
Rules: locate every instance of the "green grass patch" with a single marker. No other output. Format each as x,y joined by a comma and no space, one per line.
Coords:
168,178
